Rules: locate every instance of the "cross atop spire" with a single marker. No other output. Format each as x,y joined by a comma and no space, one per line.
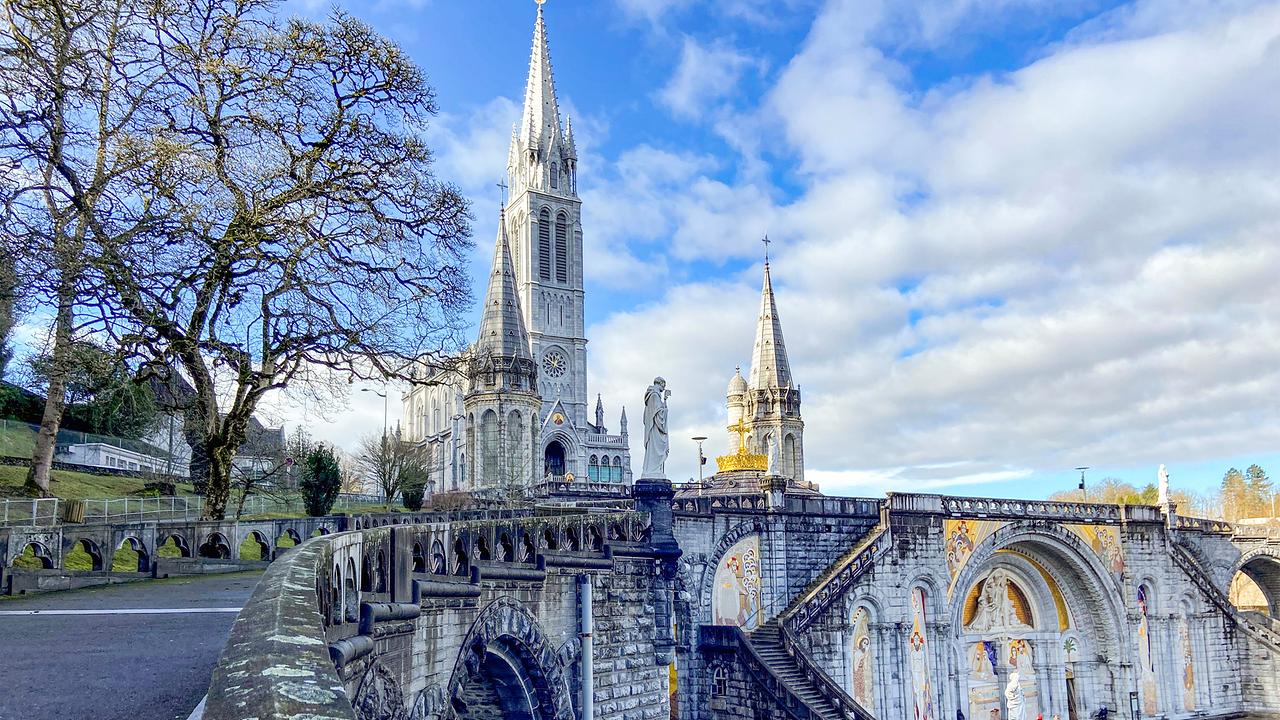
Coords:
766,242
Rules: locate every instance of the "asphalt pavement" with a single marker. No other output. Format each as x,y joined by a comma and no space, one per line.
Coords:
140,651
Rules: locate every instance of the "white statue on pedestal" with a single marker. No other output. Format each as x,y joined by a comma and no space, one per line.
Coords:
773,456
1015,698
656,443
1163,477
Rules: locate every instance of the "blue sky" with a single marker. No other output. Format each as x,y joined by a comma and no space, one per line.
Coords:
1012,236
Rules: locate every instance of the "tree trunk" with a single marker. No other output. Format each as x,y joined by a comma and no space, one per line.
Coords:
217,489
46,440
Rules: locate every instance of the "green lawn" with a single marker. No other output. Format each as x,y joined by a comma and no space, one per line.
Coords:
77,485
16,439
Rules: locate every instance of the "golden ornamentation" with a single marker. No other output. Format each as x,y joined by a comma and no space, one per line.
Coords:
742,460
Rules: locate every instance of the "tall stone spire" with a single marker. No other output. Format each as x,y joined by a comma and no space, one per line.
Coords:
540,124
543,156
502,331
769,366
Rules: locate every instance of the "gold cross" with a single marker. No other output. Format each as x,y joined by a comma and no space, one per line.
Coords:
742,429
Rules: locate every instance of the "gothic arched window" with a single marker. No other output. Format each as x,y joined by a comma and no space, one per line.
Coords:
488,447
514,436
593,469
544,244
555,175
562,248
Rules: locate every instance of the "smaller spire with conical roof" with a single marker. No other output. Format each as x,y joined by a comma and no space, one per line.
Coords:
769,366
502,331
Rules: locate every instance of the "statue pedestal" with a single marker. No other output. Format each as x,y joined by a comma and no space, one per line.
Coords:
775,490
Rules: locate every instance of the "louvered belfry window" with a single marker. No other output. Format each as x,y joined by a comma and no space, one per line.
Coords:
544,244
562,248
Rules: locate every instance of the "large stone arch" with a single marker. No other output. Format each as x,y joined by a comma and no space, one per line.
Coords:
706,585
1262,566
1092,595
506,650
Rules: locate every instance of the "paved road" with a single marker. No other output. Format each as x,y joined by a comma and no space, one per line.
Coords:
108,665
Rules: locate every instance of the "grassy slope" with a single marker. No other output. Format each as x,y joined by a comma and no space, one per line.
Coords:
76,485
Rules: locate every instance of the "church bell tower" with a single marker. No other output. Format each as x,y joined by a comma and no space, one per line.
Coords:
544,216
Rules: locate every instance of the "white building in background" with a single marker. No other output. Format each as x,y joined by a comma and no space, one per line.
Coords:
541,229
112,457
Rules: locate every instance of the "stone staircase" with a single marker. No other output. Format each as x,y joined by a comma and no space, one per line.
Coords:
767,646
1265,630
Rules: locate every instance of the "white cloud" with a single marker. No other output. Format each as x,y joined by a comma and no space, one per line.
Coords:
706,74
1086,245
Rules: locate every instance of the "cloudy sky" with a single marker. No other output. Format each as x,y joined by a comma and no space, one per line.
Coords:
1011,236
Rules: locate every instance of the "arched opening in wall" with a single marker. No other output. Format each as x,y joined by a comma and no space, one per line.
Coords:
419,558
482,548
562,248
506,551
1256,585
1022,597
289,538
255,547
593,468
83,555
791,455
553,459
173,546
616,474
499,688
350,593
33,556
439,566
131,556
461,566
215,546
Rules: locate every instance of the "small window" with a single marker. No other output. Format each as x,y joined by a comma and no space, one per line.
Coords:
719,682
555,175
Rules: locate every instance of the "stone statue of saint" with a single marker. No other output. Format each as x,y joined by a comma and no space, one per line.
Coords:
1014,698
773,456
656,443
1163,476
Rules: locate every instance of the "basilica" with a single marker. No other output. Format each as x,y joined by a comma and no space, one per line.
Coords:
516,410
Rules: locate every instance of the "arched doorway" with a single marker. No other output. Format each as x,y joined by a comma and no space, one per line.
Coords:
553,459
508,669
497,688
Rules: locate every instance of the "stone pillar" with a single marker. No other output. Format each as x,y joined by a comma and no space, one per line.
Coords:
775,487
654,496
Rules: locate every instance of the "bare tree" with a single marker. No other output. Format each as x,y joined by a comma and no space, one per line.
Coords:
274,220
390,462
74,76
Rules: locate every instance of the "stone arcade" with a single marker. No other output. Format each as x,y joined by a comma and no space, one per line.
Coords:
750,595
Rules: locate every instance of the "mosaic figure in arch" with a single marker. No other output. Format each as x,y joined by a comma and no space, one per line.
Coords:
736,599
961,538
1188,664
918,655
984,685
862,665
1105,543
1022,664
1146,658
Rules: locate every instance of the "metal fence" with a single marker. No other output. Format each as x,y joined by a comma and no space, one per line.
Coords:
48,511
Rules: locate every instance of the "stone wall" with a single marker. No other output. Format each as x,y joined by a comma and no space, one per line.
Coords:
503,604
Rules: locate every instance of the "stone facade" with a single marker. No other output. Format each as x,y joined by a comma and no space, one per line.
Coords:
542,219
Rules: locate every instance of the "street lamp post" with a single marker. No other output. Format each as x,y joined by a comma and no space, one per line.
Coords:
701,460
382,395
1083,490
